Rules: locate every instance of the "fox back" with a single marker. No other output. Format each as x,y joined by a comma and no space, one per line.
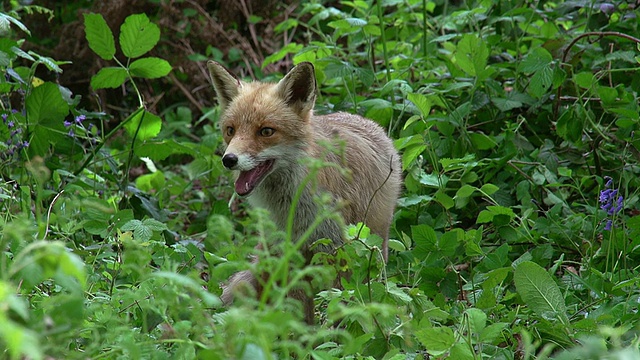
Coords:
270,130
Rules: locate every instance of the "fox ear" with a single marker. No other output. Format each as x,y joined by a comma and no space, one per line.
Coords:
224,82
298,88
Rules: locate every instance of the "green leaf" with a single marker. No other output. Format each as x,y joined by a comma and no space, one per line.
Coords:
109,77
138,35
489,189
425,240
46,110
472,54
421,102
540,292
150,68
536,60
491,212
436,339
143,230
144,125
482,141
290,48
477,320
465,191
541,82
99,36
584,79
161,149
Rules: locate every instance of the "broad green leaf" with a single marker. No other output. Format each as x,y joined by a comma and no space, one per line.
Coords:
540,292
536,60
425,240
138,35
46,110
99,36
144,126
109,77
541,81
472,54
150,68
489,189
492,211
465,191
477,319
584,79
436,339
421,102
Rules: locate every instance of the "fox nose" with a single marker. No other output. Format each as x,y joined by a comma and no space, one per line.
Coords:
230,160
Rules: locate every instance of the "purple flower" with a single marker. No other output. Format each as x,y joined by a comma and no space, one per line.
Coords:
608,224
67,123
610,201
4,117
11,124
72,133
80,118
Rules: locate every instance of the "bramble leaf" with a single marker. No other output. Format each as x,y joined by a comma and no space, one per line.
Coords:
150,68
99,36
138,35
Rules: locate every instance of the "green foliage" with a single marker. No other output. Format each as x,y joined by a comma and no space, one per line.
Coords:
516,235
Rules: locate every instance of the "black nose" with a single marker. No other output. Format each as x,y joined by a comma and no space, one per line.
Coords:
230,160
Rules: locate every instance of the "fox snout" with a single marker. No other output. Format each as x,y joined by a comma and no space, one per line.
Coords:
230,160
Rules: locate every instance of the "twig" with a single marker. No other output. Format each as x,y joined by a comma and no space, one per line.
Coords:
600,35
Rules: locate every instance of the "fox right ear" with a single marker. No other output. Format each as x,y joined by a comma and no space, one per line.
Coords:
224,82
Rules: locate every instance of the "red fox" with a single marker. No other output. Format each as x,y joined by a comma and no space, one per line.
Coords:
270,129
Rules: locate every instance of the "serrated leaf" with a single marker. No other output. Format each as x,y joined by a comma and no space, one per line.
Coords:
537,59
472,54
99,36
540,292
144,125
425,240
150,68
138,35
154,224
436,339
109,77
541,81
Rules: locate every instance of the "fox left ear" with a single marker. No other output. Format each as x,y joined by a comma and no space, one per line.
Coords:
298,88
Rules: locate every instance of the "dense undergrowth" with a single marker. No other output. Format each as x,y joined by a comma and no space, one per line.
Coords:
517,235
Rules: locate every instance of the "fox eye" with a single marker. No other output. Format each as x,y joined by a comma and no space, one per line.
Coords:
267,131
230,131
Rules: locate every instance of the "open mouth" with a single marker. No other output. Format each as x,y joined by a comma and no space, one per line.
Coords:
248,180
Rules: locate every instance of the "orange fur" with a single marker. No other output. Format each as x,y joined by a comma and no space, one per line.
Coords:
271,162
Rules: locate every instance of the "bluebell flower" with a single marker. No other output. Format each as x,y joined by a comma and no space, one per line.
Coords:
80,118
72,133
67,123
610,201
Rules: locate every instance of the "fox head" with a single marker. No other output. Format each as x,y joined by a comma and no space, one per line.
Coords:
264,125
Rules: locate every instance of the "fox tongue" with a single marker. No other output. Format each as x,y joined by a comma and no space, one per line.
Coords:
248,180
